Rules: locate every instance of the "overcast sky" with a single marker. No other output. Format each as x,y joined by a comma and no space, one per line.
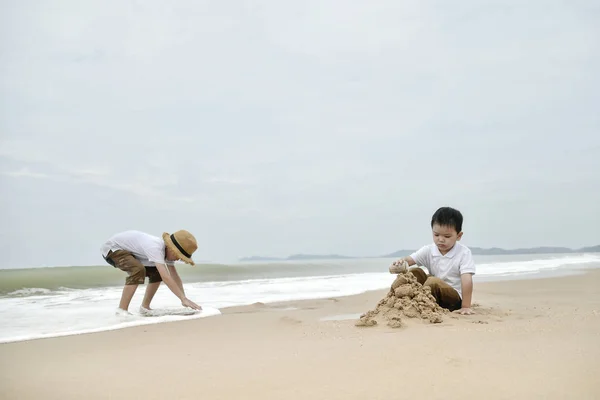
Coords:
280,127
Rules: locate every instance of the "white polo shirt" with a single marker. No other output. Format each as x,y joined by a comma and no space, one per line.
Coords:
447,267
148,249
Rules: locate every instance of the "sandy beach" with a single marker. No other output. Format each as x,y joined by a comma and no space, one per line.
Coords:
530,339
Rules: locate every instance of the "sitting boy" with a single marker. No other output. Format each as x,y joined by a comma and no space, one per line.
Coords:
450,264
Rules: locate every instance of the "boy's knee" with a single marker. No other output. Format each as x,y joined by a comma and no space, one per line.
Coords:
445,295
436,285
433,282
419,274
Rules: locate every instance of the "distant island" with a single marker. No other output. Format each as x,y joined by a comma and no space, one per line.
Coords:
494,251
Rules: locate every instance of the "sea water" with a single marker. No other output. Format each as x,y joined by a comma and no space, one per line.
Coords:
47,302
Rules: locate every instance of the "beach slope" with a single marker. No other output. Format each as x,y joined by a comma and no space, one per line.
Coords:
535,338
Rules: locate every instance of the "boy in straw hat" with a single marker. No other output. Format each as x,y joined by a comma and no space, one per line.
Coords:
141,255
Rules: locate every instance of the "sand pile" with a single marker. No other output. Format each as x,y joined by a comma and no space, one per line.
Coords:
406,298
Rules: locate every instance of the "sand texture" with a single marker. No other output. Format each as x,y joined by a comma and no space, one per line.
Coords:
529,339
406,298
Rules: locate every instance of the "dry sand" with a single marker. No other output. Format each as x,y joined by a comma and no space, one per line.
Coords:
530,339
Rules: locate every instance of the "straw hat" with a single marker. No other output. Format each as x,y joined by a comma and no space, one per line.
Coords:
181,243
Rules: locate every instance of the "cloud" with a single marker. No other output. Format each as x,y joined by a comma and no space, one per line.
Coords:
271,127
24,173
149,190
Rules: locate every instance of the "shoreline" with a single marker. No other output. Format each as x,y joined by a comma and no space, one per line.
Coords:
575,270
511,347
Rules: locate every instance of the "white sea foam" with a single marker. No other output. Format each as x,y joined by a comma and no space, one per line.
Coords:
538,265
29,292
40,313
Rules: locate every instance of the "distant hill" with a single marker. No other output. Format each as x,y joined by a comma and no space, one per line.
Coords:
495,251
399,253
403,253
259,258
590,249
535,250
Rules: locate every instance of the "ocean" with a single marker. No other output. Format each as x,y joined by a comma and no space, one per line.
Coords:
57,301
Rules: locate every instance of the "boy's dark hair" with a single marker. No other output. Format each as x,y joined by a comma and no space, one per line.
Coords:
448,216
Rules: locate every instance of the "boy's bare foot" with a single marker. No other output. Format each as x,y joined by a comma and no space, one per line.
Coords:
122,313
145,310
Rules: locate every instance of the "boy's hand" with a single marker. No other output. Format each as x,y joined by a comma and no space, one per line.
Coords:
188,303
399,267
465,311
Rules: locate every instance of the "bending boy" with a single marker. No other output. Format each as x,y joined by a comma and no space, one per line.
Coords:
450,264
141,255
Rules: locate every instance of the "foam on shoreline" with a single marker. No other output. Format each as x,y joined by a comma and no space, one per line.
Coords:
40,313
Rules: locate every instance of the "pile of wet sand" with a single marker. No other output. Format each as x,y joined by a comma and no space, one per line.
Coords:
406,298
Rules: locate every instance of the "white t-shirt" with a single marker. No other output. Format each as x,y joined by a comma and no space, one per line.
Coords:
148,249
447,267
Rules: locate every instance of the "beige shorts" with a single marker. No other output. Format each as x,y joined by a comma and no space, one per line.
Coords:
136,272
445,295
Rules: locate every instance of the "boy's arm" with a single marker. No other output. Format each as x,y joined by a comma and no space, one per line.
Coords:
467,270
466,282
172,284
418,257
409,261
176,277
